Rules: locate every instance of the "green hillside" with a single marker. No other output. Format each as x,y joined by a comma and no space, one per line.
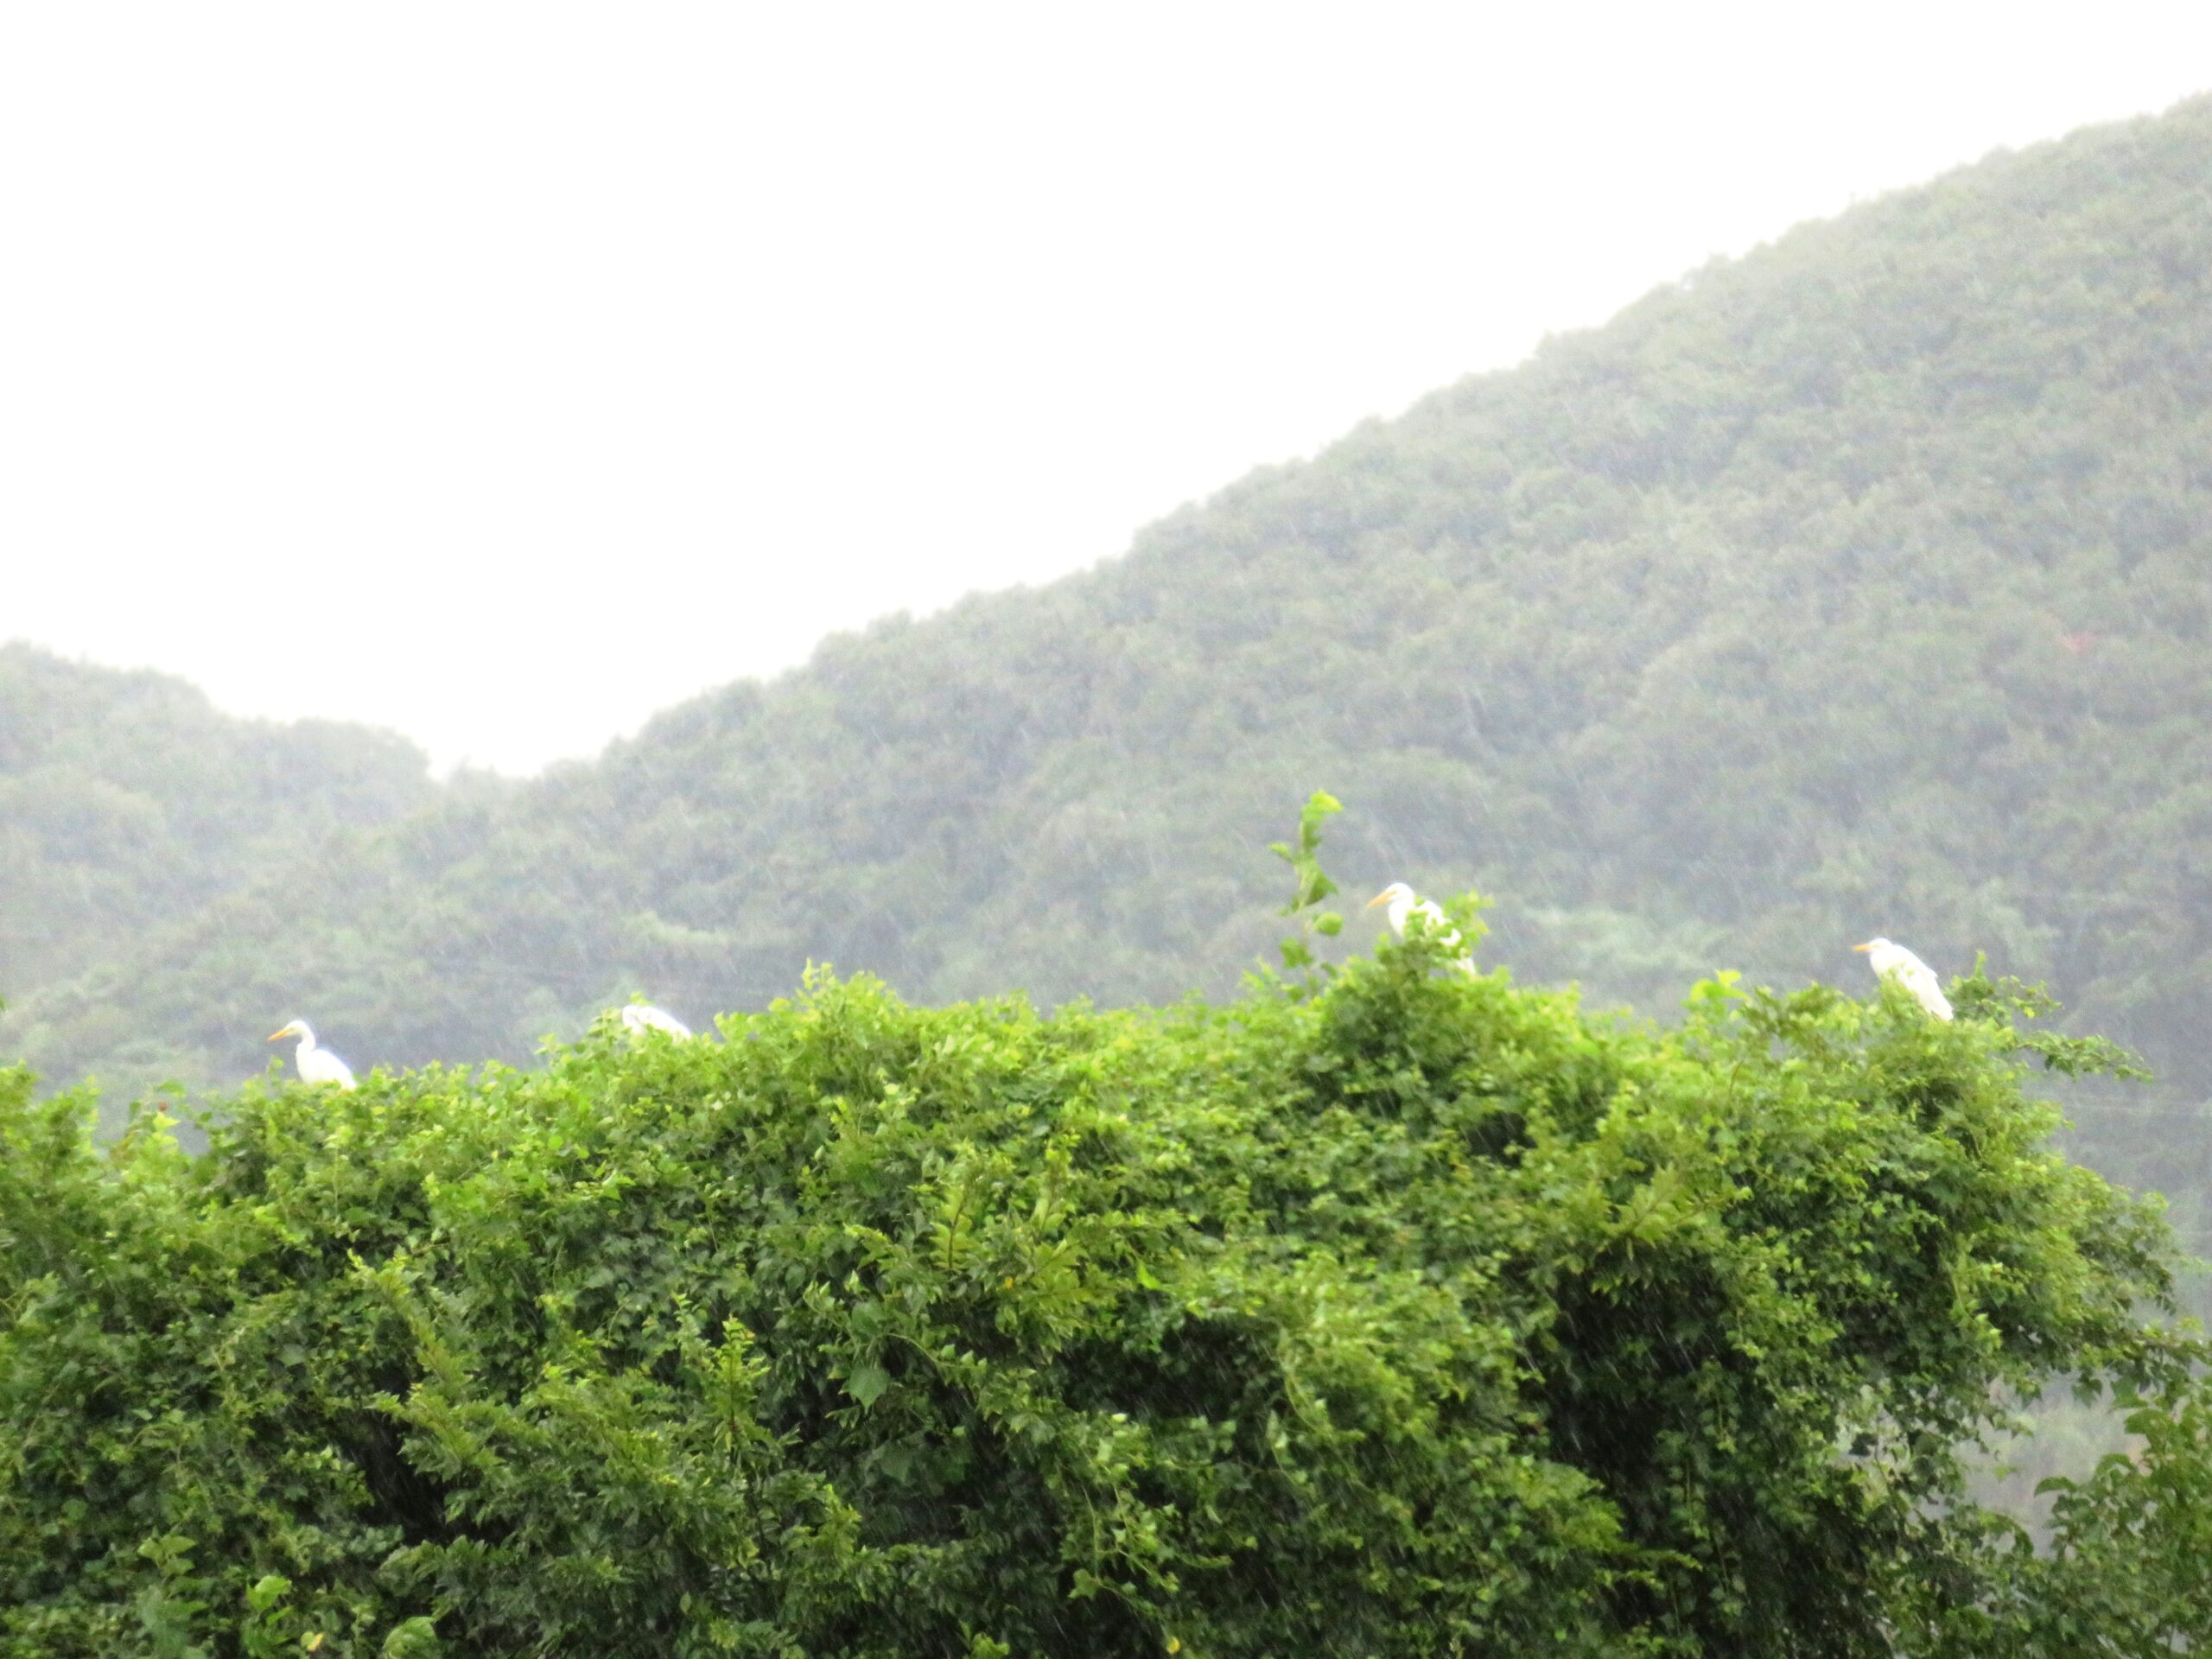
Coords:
1864,584
128,802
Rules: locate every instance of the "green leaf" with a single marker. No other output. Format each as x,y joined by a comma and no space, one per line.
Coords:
413,1638
267,1591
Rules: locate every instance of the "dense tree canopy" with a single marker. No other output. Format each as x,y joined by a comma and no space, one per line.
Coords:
1393,1313
127,803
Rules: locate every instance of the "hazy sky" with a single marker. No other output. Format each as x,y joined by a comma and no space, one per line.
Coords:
504,372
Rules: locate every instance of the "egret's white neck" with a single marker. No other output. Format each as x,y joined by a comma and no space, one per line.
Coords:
1402,906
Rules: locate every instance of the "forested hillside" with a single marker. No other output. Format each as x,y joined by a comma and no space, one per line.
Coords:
1864,584
127,802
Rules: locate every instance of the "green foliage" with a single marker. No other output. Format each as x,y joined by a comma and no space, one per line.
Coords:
127,803
1858,585
2012,1003
1419,1315
1314,884
1304,858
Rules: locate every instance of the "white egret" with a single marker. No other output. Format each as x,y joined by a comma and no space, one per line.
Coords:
316,1065
642,1017
1404,902
1890,961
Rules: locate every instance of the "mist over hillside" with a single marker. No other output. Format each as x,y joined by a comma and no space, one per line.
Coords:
127,802
1859,586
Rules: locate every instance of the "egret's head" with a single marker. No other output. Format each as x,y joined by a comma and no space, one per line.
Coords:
297,1028
1396,890
1871,944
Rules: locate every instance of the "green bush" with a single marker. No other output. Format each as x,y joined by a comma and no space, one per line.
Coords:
1396,1314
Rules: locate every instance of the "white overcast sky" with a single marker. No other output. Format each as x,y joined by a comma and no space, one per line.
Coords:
502,372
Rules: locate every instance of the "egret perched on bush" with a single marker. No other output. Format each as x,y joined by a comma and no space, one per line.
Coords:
316,1065
1890,961
642,1017
1404,902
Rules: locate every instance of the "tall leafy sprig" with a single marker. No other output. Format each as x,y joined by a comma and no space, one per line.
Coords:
1313,887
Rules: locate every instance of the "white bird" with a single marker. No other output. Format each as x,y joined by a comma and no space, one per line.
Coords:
1403,902
642,1017
1894,962
316,1065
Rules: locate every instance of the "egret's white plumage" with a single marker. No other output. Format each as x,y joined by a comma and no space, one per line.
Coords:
1892,960
315,1064
1403,902
642,1017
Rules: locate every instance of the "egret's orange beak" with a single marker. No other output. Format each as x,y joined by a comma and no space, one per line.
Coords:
1376,899
274,1035
1869,946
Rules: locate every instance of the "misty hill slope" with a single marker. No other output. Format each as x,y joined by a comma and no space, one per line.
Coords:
1860,585
127,801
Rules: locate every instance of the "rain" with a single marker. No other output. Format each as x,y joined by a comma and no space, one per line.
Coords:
739,611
